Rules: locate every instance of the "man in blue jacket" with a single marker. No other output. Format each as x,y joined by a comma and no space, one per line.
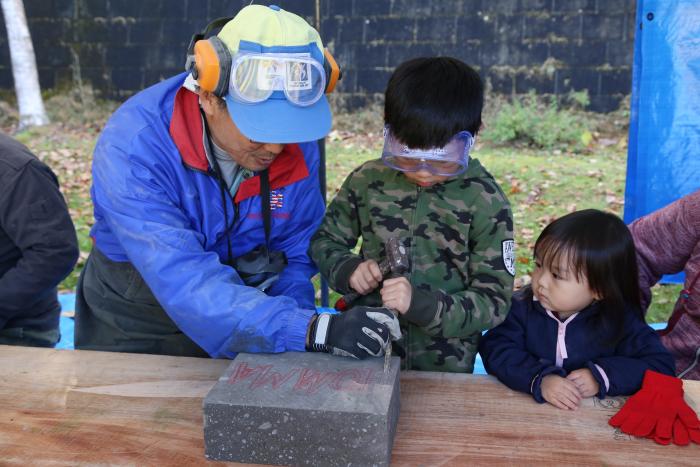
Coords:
38,247
204,205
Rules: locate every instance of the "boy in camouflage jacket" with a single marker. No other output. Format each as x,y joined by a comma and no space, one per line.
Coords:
448,211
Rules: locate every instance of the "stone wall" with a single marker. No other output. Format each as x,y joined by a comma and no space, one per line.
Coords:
551,46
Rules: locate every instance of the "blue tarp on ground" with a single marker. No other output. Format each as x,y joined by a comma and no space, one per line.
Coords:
68,305
664,140
66,323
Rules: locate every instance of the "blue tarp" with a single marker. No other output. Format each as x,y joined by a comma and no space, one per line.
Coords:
68,305
66,326
664,140
66,323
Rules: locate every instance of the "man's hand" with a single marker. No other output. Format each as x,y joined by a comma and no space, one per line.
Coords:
585,382
560,392
396,294
360,332
366,277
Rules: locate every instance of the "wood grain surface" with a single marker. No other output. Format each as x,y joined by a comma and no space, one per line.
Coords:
68,407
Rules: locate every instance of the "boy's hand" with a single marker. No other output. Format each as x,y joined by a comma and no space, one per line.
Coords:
560,392
585,382
396,294
366,277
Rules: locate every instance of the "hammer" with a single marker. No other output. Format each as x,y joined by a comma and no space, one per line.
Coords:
394,264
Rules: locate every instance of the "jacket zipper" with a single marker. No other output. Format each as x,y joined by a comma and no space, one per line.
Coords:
419,190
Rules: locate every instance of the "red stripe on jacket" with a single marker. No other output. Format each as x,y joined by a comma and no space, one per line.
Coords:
187,130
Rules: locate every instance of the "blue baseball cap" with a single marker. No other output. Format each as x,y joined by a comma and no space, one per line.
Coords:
263,30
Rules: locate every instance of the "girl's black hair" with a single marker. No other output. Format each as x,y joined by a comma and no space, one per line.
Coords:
599,247
429,100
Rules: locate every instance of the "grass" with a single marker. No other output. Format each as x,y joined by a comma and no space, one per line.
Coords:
541,122
542,183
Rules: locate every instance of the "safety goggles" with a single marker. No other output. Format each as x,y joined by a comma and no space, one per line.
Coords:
255,76
451,159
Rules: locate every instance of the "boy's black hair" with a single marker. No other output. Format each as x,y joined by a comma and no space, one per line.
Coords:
599,247
429,100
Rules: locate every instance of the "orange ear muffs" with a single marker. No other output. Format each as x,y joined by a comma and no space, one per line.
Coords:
209,60
212,65
206,66
333,71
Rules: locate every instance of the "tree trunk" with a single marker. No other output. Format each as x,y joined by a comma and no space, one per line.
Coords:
31,106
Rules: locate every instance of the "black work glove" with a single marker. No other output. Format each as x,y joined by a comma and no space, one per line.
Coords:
360,332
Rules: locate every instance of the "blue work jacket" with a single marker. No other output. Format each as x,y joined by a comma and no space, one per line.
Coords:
532,343
159,206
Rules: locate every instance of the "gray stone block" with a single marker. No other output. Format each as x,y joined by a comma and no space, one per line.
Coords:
300,408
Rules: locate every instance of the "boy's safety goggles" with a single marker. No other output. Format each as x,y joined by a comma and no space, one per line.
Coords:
255,76
451,159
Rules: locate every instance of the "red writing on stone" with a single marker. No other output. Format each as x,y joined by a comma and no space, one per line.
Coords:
305,380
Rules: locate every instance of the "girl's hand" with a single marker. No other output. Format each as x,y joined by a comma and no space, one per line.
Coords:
396,294
366,277
560,392
585,382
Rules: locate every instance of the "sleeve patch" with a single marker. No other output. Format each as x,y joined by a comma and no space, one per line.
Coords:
508,251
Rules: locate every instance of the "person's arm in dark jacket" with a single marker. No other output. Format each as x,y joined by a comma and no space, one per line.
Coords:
505,355
639,350
35,217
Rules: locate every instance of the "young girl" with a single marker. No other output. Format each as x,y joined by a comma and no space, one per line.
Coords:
578,330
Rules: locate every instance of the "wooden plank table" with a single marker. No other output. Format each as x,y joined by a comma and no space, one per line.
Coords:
68,407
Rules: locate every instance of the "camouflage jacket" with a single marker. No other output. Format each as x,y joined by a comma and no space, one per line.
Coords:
459,236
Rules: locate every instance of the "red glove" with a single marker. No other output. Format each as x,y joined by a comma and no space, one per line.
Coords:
658,411
682,436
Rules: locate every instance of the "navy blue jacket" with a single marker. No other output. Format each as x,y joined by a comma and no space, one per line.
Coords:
523,349
38,246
